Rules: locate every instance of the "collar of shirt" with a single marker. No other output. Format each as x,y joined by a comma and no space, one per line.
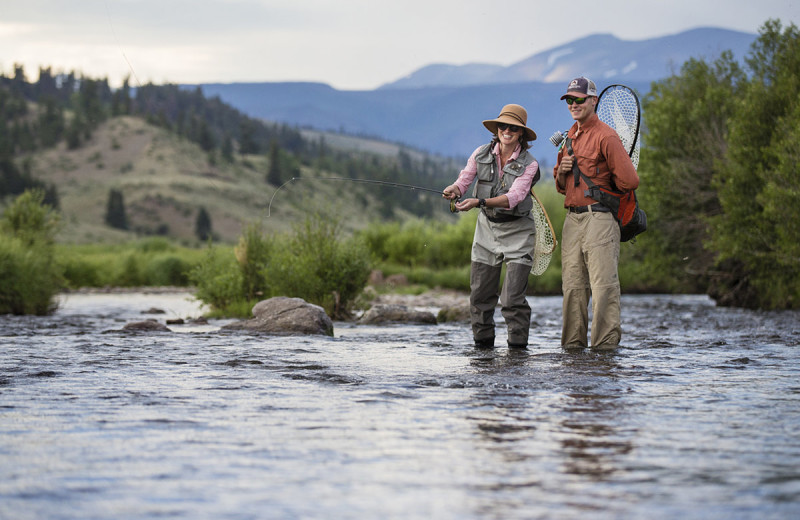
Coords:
514,155
592,121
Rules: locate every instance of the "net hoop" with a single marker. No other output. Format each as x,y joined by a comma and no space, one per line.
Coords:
545,237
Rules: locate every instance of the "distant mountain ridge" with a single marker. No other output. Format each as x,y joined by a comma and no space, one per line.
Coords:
439,107
600,57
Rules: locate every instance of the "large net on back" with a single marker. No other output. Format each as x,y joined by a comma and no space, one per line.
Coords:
619,108
545,237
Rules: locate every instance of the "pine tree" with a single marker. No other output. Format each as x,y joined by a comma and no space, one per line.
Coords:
202,226
226,150
115,210
275,172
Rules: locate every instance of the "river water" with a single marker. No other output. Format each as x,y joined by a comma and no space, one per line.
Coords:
697,415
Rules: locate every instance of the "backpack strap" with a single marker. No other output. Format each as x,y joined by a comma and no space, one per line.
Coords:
576,173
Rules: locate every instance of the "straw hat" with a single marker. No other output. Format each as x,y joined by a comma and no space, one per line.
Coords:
512,115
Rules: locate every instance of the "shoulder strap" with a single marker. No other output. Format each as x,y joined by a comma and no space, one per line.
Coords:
576,172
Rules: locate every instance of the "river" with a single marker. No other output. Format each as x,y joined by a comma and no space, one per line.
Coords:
696,416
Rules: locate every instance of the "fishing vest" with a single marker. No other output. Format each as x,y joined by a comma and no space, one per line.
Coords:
489,184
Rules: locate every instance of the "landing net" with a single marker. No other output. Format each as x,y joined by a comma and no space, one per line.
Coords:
545,237
618,107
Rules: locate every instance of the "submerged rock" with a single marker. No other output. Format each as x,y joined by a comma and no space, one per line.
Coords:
283,315
388,313
146,326
456,313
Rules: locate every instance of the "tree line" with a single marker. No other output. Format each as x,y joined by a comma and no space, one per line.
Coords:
719,176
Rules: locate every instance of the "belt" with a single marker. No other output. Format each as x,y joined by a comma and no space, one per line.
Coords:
502,217
596,208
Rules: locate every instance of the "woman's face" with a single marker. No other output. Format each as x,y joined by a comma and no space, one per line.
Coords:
508,134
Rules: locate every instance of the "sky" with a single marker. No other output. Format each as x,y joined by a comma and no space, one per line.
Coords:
348,44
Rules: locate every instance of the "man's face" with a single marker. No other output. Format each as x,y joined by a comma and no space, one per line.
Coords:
581,107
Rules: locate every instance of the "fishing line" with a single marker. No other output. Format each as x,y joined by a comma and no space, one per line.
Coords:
121,50
365,181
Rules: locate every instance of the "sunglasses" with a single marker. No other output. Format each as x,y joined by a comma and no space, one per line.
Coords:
578,100
506,126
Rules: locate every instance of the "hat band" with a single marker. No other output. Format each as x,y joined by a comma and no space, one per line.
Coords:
512,115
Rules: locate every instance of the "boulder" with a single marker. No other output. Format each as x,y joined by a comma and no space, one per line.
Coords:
387,313
286,316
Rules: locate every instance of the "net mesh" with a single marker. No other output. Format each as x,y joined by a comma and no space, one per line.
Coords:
619,108
545,237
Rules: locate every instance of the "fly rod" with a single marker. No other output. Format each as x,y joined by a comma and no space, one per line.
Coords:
365,181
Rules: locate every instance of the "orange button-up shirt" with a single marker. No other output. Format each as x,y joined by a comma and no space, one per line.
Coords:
601,157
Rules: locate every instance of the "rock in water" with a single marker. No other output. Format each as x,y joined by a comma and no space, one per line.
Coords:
387,313
146,326
286,316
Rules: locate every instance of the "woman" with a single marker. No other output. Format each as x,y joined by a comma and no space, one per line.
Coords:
505,230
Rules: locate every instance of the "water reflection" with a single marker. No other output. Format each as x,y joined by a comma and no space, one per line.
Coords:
591,441
583,431
502,403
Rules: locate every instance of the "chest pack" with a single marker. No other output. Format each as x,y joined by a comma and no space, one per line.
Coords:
624,205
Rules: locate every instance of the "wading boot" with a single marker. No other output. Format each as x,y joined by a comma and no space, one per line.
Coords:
484,342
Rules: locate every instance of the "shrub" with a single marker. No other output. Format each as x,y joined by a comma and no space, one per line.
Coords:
319,267
166,269
29,277
313,264
253,255
29,219
218,279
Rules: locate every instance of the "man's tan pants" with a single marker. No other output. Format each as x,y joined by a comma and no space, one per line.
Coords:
589,260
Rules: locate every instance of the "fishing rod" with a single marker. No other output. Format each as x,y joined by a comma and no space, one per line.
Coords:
365,181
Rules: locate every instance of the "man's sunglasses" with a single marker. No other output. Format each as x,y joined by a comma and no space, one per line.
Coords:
578,100
506,126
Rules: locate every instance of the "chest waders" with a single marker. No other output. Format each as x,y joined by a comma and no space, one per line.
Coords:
514,230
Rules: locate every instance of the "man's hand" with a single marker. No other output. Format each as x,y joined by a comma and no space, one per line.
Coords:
565,166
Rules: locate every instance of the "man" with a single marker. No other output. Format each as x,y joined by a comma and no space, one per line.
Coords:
591,236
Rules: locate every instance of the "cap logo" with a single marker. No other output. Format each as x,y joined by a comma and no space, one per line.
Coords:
573,83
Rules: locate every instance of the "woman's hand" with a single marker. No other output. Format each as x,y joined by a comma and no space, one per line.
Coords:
467,204
451,192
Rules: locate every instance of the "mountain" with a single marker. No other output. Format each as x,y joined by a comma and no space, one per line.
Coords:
439,108
602,57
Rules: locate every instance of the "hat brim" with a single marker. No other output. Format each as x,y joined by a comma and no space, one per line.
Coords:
576,93
491,125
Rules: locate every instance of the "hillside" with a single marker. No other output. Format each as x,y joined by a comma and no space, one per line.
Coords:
166,179
161,160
